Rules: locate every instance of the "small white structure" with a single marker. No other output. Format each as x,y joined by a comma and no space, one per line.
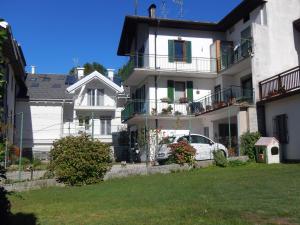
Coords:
271,149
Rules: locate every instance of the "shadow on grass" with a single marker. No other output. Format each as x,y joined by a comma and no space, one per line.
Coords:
8,218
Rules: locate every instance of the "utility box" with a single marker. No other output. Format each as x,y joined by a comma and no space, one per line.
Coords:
267,149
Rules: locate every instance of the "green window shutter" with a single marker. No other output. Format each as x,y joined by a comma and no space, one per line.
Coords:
189,86
171,50
171,90
188,50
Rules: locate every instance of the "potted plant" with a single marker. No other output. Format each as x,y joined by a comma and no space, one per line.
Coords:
154,112
165,99
177,113
232,100
167,111
208,107
282,90
216,105
221,104
183,100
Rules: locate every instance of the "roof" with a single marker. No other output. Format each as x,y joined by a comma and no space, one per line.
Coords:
48,86
92,76
265,141
131,22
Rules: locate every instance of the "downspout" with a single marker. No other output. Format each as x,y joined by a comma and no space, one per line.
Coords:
155,78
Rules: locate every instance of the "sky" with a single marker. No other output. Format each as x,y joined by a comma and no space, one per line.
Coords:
56,35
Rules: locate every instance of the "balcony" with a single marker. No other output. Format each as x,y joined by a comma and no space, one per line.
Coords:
146,64
165,109
233,59
283,84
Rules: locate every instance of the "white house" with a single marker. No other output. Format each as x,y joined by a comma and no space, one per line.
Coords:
64,105
14,85
200,77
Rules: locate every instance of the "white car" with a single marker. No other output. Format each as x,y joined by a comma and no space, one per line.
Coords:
203,145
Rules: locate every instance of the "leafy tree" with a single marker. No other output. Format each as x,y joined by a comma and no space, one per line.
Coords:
91,67
3,38
248,141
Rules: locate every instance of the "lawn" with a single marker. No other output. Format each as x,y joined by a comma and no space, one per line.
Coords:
252,194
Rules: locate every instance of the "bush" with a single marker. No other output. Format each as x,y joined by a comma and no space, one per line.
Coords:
79,160
248,141
220,158
235,163
182,152
25,162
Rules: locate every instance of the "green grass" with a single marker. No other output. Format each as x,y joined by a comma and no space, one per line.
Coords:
251,194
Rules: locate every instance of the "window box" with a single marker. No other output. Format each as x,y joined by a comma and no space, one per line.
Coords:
167,111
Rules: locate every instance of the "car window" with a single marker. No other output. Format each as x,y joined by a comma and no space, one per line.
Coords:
167,140
199,140
184,138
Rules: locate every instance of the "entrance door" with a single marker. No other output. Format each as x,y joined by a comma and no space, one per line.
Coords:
224,134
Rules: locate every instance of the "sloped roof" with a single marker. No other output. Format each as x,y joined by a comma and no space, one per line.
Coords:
265,141
47,86
92,76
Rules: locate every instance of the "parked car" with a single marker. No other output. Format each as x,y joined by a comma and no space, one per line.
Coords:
203,145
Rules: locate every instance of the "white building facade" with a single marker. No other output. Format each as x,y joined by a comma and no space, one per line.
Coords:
204,78
59,105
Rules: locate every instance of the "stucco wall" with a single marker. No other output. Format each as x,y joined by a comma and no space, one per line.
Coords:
291,107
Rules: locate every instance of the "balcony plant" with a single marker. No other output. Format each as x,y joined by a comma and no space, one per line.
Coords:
282,90
183,100
154,112
232,100
221,104
167,111
208,107
216,105
272,93
177,113
165,100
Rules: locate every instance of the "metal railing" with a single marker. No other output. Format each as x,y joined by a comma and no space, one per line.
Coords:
223,98
167,63
164,108
280,84
235,55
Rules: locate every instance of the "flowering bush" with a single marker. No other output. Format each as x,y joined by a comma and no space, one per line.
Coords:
182,152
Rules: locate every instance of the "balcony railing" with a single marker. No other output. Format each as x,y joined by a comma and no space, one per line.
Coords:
163,108
235,55
280,84
164,62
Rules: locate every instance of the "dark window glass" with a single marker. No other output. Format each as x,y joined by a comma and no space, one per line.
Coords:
179,50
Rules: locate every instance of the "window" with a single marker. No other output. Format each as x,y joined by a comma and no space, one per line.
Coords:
280,128
179,50
84,121
95,97
105,126
217,96
179,90
206,131
199,139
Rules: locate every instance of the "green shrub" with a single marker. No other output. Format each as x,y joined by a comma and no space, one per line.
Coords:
25,162
36,162
182,152
247,146
220,158
79,160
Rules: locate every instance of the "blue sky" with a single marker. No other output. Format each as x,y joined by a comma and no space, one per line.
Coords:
54,32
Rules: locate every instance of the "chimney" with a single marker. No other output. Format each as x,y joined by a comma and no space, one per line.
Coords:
32,69
152,11
80,72
110,74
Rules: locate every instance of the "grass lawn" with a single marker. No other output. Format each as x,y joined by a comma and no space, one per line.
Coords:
252,194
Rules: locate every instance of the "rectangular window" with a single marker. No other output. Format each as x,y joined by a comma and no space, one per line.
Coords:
100,97
105,126
95,97
179,51
280,128
179,90
206,131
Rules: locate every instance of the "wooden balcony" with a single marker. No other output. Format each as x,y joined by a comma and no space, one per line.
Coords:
283,84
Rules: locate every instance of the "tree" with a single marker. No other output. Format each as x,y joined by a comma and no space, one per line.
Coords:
91,67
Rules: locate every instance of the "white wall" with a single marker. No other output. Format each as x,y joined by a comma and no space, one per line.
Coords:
42,124
275,45
291,107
